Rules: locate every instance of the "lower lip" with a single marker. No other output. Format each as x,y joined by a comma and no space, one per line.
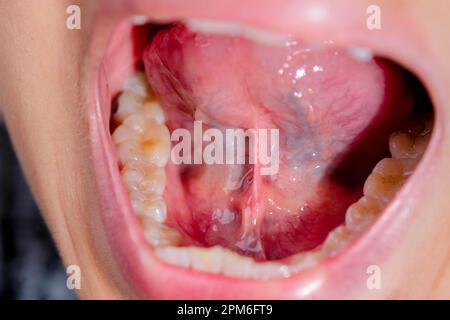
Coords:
341,277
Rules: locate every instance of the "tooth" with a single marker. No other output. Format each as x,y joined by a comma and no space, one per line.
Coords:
337,240
238,29
144,180
206,259
421,144
175,255
388,177
404,145
160,235
123,134
153,146
362,213
153,181
360,53
152,110
137,122
401,145
137,84
131,177
270,270
154,208
129,152
305,260
156,145
382,187
133,106
235,265
129,103
139,20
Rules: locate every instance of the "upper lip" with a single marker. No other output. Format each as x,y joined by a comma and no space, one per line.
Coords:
340,277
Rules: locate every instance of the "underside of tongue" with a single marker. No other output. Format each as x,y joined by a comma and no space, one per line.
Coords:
334,115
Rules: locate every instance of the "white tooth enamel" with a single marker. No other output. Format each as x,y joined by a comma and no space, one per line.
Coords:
235,265
143,144
337,240
206,259
174,255
156,145
237,29
160,235
138,85
129,103
152,110
139,20
362,213
401,145
360,53
154,208
386,179
123,134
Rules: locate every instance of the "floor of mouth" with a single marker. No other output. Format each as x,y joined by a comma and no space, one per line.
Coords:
324,160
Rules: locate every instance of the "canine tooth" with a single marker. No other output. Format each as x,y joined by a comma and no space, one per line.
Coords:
160,235
138,84
362,213
337,240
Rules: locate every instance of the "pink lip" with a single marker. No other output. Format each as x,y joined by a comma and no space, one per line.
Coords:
341,277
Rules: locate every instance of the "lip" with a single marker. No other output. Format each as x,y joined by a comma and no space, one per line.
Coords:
343,276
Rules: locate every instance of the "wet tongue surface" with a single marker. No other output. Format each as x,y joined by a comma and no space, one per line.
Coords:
334,116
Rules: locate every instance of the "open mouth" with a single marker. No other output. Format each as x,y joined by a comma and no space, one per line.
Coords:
352,129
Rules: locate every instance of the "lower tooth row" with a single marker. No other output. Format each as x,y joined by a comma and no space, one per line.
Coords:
143,148
407,147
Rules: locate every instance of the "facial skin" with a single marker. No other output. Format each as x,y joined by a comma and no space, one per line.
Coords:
45,76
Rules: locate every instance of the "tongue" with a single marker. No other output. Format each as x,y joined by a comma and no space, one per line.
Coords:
334,116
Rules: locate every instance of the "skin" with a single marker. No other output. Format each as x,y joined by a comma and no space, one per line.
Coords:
43,68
